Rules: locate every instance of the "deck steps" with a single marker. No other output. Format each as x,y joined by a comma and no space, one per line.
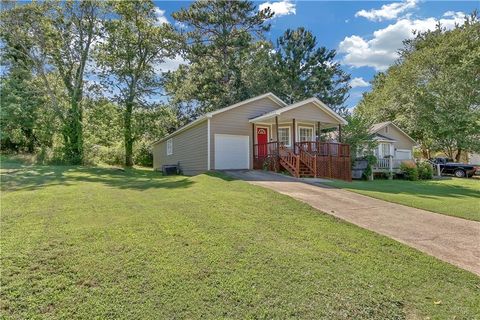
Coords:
305,171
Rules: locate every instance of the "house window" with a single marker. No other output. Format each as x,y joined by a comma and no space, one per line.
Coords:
284,136
305,134
169,147
385,149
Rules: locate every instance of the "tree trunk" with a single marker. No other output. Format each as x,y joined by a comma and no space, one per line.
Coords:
74,132
30,139
127,118
458,155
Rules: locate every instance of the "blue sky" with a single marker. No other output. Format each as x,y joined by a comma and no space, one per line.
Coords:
366,34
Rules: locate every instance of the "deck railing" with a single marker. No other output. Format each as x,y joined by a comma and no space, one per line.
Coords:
332,159
325,148
308,157
290,161
265,156
324,159
265,150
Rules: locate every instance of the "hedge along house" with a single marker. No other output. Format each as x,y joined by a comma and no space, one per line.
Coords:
259,133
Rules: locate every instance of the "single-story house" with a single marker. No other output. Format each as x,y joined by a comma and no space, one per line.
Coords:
259,133
393,145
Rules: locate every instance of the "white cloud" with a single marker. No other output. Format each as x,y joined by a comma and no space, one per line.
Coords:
381,50
160,15
358,83
170,64
387,11
180,25
280,8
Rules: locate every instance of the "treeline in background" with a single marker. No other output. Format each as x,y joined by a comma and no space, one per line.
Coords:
88,82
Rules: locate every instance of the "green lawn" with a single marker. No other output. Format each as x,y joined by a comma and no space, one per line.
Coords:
101,243
454,197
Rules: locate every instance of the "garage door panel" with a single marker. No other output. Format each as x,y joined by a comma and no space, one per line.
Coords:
403,154
231,152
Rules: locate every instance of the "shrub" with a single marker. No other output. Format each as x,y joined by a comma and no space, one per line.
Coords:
409,170
142,154
425,171
99,154
50,156
371,160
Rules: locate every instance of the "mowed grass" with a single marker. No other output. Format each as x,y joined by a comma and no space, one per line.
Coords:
101,243
454,197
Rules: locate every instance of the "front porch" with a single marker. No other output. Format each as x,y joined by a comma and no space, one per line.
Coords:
294,139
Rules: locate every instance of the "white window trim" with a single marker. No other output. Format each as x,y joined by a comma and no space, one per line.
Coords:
269,131
169,147
312,137
380,149
289,145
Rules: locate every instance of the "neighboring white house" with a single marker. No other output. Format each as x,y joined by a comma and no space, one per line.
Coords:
394,146
474,158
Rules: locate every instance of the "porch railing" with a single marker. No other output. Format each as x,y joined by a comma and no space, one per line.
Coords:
325,148
323,159
383,163
308,157
332,159
388,163
290,161
265,150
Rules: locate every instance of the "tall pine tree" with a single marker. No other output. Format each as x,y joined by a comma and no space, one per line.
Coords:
219,39
305,70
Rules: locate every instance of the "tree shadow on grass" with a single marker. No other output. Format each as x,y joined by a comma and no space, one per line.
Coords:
24,177
220,175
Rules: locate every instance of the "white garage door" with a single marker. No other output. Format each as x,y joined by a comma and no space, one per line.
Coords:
402,154
231,152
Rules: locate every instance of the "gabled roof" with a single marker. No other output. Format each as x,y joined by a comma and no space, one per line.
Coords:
315,101
380,137
268,95
204,117
379,126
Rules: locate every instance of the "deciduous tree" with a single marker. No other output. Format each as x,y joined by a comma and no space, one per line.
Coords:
58,36
433,91
134,46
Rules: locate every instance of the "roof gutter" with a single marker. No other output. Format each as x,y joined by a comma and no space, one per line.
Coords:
185,127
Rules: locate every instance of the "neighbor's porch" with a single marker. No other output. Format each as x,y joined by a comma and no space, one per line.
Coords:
297,141
389,157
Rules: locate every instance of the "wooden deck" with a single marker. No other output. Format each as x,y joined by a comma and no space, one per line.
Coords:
306,159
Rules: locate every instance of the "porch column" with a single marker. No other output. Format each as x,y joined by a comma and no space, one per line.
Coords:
253,141
277,165
294,131
340,133
276,132
318,131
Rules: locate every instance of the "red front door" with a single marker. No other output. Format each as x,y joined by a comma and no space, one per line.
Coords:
262,140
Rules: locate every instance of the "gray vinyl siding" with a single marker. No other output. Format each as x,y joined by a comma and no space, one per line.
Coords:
235,121
402,141
189,150
309,112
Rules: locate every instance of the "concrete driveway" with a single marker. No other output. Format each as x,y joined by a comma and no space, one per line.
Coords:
450,239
